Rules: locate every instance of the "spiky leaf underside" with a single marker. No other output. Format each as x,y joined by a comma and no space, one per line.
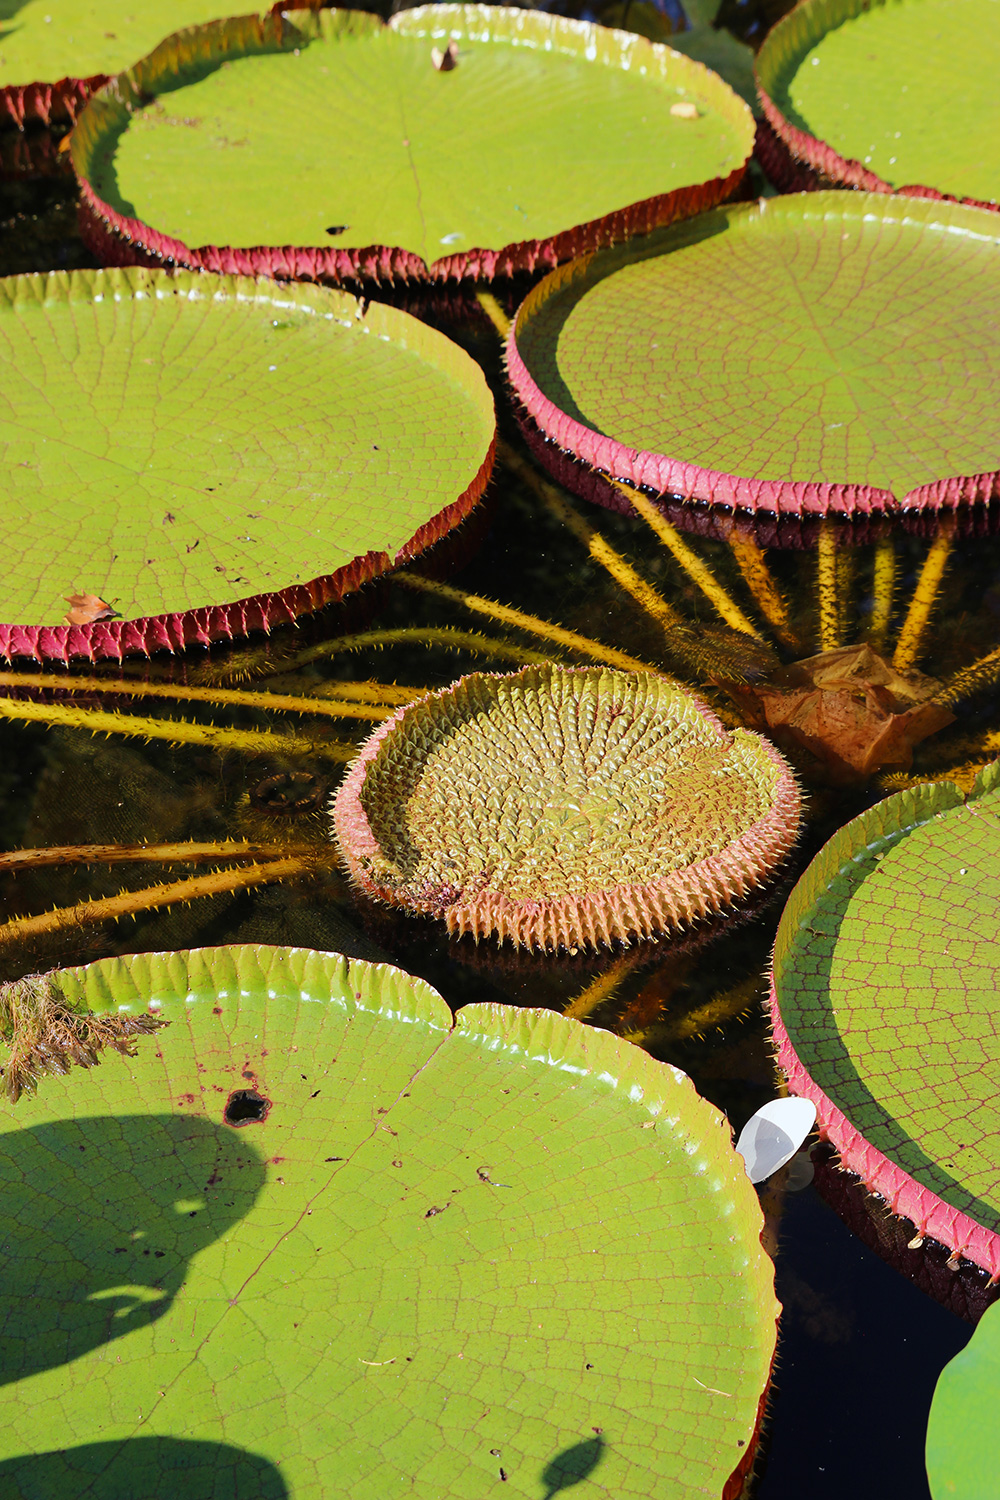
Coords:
896,97
215,151
884,1006
443,1238
564,808
824,352
214,455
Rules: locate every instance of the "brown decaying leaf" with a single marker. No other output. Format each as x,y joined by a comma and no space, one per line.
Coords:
848,708
446,60
85,609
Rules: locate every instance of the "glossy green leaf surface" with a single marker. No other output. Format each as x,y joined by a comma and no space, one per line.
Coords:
824,338
907,88
886,970
963,1440
515,1244
45,40
176,442
240,154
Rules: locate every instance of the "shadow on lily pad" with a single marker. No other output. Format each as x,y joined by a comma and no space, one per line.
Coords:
101,1218
571,1465
144,1468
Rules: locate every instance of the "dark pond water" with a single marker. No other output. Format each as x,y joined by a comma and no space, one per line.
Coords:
861,1345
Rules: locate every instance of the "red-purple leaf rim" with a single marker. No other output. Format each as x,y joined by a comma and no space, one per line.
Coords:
580,190
795,36
883,1005
564,808
794,356
191,458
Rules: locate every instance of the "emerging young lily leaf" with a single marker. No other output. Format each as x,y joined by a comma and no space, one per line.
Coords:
963,1440
203,455
884,1006
332,1239
891,97
54,53
327,145
818,353
564,808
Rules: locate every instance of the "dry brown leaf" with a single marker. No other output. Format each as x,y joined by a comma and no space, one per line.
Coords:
446,60
85,609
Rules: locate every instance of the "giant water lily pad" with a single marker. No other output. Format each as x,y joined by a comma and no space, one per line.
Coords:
215,151
884,1006
421,1258
53,53
564,808
824,352
896,96
210,455
963,1445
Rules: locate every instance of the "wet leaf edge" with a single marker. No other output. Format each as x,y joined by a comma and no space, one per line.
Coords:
932,1216
119,240
201,625
659,474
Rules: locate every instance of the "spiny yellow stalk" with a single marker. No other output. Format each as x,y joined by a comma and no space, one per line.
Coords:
883,589
697,570
760,581
909,647
151,898
389,696
176,731
602,988
218,697
963,776
826,580
694,1023
846,573
982,673
427,635
531,623
969,748
117,854
495,313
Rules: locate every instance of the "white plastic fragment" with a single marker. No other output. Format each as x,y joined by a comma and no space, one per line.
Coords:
771,1137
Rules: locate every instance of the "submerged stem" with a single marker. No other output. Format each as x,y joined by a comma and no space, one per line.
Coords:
428,635
883,589
219,697
760,581
972,679
491,307
118,854
602,988
909,646
826,580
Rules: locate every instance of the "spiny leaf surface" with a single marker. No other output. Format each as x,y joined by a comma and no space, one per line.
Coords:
443,1252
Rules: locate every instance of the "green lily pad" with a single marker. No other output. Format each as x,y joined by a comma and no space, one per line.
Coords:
884,1006
825,352
887,96
221,138
421,1257
963,1444
211,455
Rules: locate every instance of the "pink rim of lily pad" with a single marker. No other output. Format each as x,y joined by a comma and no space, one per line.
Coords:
659,474
804,23
120,240
594,919
905,1196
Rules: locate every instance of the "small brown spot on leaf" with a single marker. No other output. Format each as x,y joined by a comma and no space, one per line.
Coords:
446,60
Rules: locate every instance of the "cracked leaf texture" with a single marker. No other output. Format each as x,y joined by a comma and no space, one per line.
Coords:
907,88
46,40
823,338
446,1250
885,973
500,149
171,443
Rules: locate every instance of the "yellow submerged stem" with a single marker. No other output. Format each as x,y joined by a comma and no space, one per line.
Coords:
909,647
151,898
602,988
427,635
982,673
722,1007
883,589
176,731
495,313
693,566
117,854
760,581
531,623
826,578
218,697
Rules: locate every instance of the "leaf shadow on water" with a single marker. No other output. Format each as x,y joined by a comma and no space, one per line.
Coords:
102,1216
572,1465
142,1468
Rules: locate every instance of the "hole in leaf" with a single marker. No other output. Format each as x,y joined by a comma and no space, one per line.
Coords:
245,1107
336,229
